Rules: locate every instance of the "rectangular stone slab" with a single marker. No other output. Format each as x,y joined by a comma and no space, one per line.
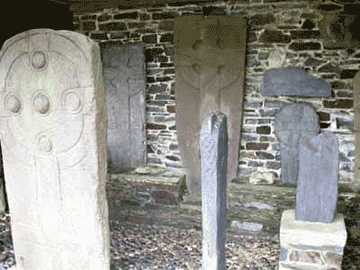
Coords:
125,82
356,87
209,68
214,151
317,190
53,135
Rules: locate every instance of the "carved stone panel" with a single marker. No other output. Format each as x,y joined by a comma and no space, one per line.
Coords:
209,69
125,82
292,123
53,135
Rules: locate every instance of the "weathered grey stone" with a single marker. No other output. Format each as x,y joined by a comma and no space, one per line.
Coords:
150,169
317,190
356,86
260,206
53,133
214,151
293,81
246,227
292,123
125,81
257,178
277,57
209,59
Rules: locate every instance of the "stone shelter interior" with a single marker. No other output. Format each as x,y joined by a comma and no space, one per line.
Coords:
304,54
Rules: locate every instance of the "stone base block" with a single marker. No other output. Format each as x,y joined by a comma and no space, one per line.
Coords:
311,245
164,188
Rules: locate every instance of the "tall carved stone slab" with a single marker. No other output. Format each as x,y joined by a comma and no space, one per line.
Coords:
356,91
214,151
209,69
292,123
53,135
125,81
317,190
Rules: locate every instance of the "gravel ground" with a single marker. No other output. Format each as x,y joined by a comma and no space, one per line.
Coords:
145,247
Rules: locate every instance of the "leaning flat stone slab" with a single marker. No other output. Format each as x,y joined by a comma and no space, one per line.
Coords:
293,81
53,135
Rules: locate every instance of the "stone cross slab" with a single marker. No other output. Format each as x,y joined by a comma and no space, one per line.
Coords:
125,84
214,154
53,134
209,58
292,123
317,189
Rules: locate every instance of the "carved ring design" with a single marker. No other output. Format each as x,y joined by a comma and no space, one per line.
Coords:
44,144
13,103
38,60
41,103
72,101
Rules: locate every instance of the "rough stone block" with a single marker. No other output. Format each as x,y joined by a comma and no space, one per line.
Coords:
53,133
112,26
313,257
246,227
293,82
305,46
271,36
317,234
317,190
257,178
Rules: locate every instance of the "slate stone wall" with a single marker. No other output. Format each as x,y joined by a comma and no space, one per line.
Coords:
280,34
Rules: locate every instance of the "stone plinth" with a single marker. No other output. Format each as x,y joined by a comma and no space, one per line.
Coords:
165,188
311,245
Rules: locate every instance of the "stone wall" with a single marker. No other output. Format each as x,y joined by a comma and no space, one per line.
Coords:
280,34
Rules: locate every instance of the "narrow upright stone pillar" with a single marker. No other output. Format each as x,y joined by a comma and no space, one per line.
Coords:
317,190
214,151
53,135
356,91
